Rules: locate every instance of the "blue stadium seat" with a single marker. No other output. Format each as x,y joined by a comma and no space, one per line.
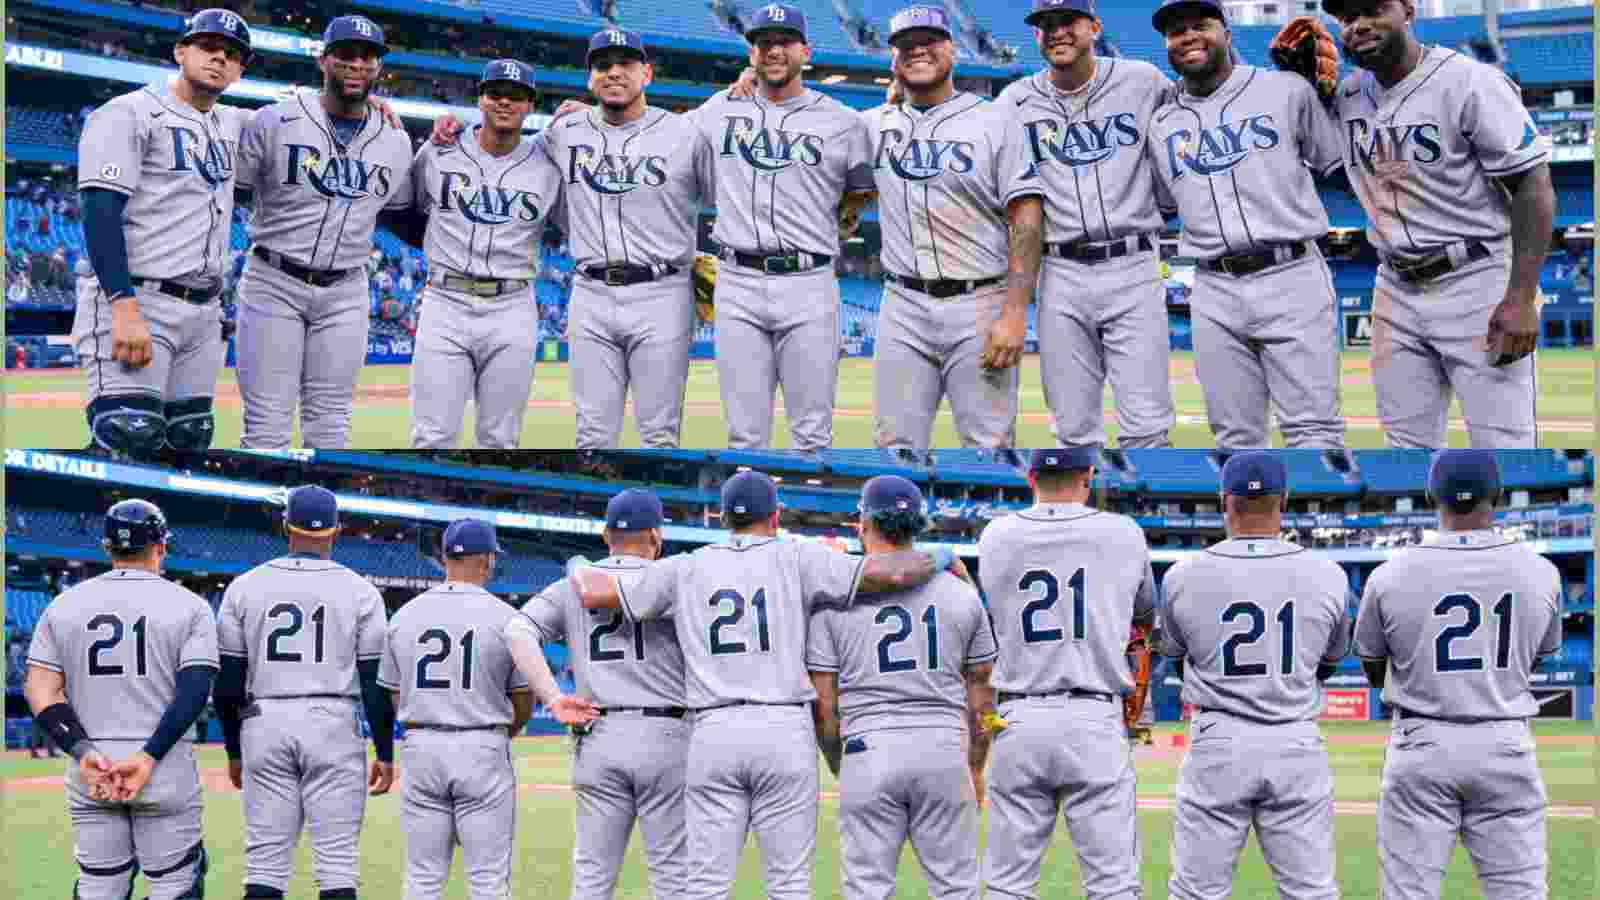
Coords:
1394,471
1185,472
867,463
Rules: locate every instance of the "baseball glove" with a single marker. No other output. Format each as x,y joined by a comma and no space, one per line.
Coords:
1305,46
706,268
1139,651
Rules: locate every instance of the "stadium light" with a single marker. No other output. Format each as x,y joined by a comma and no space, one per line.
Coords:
880,80
835,78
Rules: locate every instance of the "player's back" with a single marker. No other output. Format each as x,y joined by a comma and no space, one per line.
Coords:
1064,583
119,640
741,616
1461,619
616,662
901,661
1254,618
447,656
302,622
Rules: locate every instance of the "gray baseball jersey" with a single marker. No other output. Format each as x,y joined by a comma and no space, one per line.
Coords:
615,660
177,166
1238,163
486,217
119,640
446,654
317,202
1422,157
901,663
1065,583
302,623
486,214
944,177
1087,147
782,168
1255,617
740,611
1104,320
633,191
1461,619
1422,154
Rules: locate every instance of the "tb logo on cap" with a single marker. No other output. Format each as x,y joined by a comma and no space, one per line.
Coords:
511,70
616,38
775,13
1255,485
230,22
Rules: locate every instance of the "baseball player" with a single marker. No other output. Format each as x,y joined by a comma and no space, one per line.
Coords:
485,200
739,609
962,230
636,178
1455,181
1237,149
297,635
786,159
156,173
461,700
1102,300
1066,583
321,165
633,673
1255,625
902,689
119,669
1450,630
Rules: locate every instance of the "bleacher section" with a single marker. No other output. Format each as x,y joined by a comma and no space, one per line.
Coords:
1551,58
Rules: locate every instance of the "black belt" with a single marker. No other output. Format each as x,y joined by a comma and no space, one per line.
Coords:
1241,264
1229,712
779,264
623,274
197,296
307,697
1098,251
1008,696
480,287
748,703
1402,714
650,712
313,277
1436,265
943,287
423,726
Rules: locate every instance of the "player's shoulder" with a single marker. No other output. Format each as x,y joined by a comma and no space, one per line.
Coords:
1018,92
1280,83
1138,71
143,101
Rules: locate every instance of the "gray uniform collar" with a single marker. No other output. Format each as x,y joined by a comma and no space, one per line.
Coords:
1241,73
1476,539
599,121
805,96
1058,512
1254,547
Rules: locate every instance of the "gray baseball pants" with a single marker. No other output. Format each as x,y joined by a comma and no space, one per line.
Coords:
473,349
635,336
159,833
458,788
630,767
186,348
1240,774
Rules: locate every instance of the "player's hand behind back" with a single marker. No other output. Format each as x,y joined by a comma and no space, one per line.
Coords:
380,777
130,333
95,771
236,773
572,710
131,775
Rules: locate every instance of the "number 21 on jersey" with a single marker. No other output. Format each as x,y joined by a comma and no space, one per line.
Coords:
1254,620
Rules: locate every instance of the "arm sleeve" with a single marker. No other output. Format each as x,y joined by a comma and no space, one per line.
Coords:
828,578
821,654
1499,127
1015,173
858,161
200,647
105,240
546,612
389,668
373,623
522,636
255,150
1173,642
705,166
194,689
983,647
230,625
43,650
1550,645
1144,602
228,697
1321,137
1370,640
111,149
655,593
402,198
380,709
1339,638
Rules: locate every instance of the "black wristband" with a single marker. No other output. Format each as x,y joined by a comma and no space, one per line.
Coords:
63,727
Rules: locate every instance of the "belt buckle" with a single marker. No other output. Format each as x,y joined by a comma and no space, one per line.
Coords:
783,262
484,288
616,276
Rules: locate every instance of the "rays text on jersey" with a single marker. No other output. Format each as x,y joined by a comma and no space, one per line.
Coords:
1081,143
340,177
920,159
1416,142
487,204
769,149
1214,151
614,173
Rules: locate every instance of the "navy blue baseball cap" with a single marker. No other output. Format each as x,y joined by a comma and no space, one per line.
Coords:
635,509
1170,8
1254,473
912,18
750,494
469,537
223,22
1064,459
353,28
890,493
777,17
1463,475
1042,8
512,71
607,38
312,509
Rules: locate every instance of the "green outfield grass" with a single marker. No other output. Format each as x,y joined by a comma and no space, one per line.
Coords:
44,408
38,845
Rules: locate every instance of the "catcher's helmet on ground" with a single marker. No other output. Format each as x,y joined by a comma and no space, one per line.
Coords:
133,525
220,22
